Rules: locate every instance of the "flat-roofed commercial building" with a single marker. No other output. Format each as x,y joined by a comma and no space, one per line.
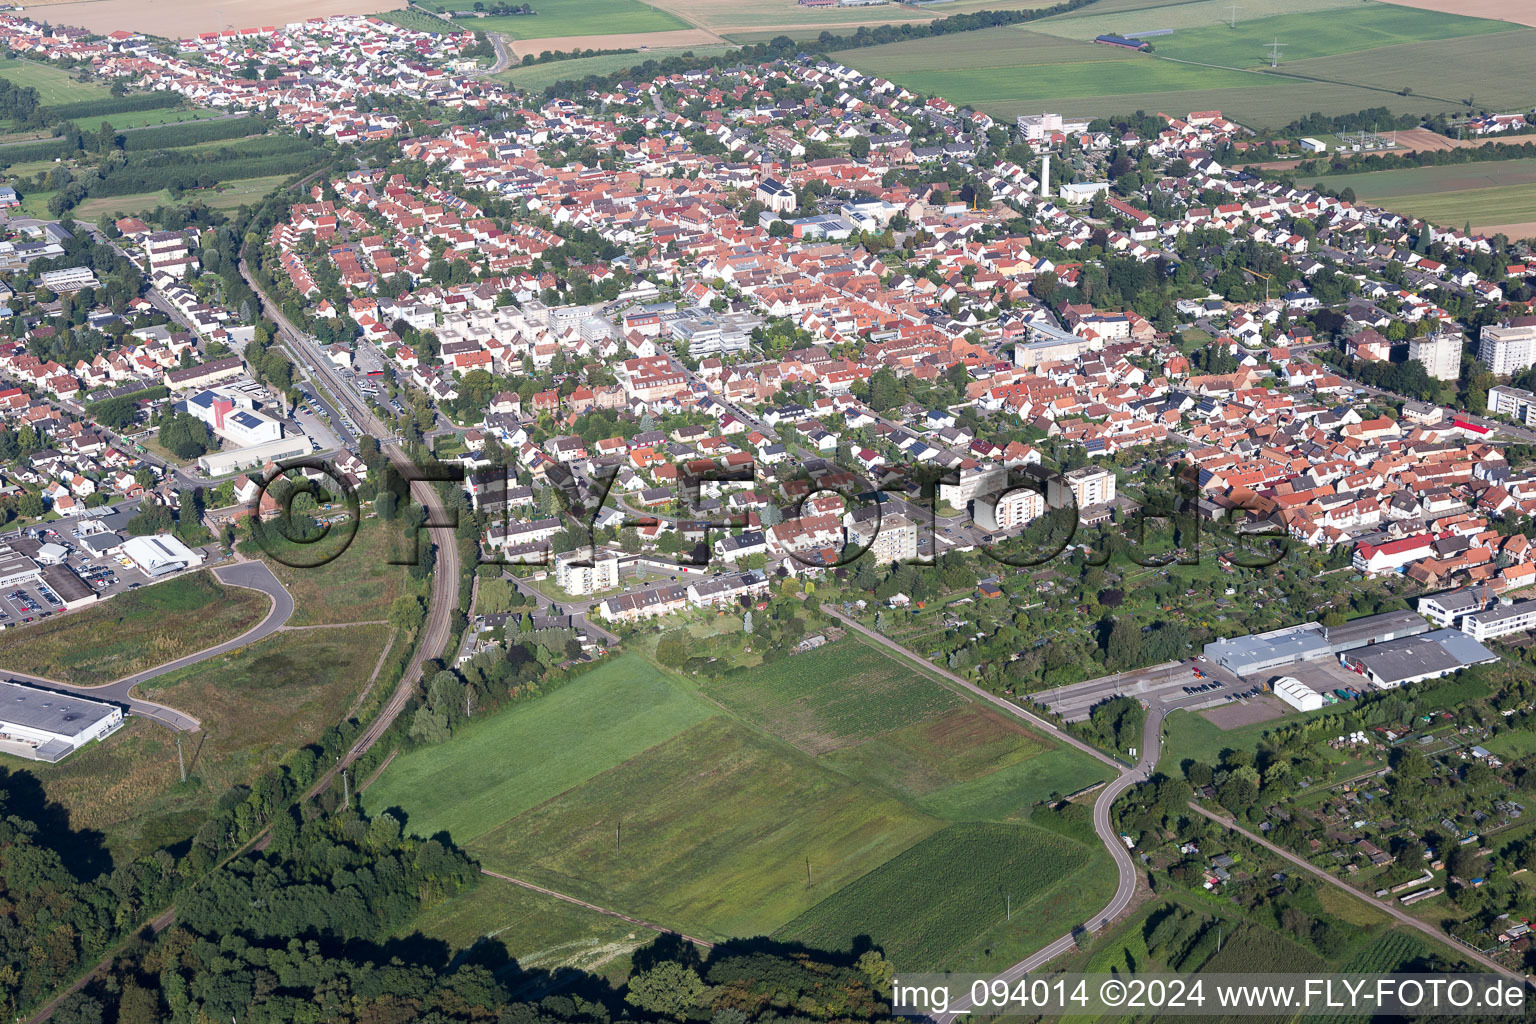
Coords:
16,567
161,554
1413,659
42,725
1262,652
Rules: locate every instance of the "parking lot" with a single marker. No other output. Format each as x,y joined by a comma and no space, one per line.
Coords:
1192,683
33,600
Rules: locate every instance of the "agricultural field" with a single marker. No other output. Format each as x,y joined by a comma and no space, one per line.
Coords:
148,118
540,76
1486,195
1322,34
179,19
971,897
833,697
678,794
134,631
255,705
720,828
569,18
970,763
619,710
53,85
1338,56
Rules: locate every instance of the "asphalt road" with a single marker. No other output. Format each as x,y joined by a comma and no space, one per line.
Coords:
252,575
1128,776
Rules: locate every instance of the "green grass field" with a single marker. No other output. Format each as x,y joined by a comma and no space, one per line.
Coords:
1339,56
571,18
357,586
540,76
1494,193
134,631
540,932
1322,34
145,118
972,897
53,85
618,711
833,697
969,764
702,808
255,704
712,829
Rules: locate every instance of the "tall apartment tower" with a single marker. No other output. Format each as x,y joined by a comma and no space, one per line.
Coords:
1440,354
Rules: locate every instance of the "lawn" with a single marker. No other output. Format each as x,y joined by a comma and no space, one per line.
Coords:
359,585
833,697
1513,743
53,85
720,831
945,904
256,704
134,631
571,18
511,762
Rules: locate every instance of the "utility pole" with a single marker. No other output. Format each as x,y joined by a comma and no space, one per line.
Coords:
807,871
618,838
1232,10
180,760
1010,906
1274,53
346,789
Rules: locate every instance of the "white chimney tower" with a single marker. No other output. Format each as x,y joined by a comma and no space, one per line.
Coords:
1045,175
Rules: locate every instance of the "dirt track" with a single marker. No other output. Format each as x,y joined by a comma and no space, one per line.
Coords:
178,19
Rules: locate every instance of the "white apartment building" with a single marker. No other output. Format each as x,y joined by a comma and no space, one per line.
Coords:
1500,620
1507,350
1009,509
1090,485
600,573
1516,403
1439,353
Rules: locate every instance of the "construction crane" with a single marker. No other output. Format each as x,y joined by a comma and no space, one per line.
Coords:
1265,277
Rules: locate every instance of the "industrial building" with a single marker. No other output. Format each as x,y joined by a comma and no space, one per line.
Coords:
1412,659
224,463
42,725
1264,652
160,555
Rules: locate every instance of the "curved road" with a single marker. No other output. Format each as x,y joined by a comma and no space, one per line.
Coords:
251,575
1125,888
